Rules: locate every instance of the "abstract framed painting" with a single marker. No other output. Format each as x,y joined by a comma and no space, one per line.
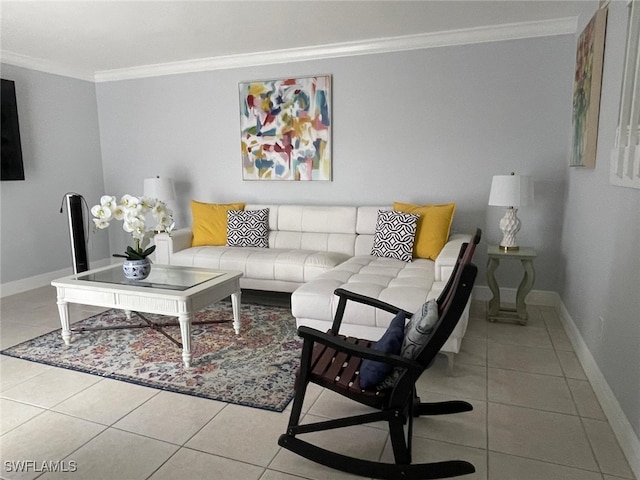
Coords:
285,128
586,91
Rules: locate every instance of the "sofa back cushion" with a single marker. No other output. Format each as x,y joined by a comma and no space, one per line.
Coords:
310,227
317,219
366,228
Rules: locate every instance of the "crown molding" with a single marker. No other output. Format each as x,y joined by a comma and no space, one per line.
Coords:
494,33
45,66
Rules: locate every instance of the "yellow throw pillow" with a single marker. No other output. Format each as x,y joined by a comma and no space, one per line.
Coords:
210,222
433,227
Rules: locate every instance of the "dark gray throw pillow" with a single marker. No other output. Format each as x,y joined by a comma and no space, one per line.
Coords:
419,329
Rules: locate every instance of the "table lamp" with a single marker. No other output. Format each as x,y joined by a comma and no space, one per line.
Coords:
511,191
160,188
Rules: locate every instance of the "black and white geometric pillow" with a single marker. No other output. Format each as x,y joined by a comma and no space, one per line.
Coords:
248,228
395,235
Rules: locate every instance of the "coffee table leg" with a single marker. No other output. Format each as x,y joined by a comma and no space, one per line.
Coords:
235,303
185,332
63,309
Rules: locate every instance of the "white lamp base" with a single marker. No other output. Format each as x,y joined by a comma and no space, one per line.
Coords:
510,226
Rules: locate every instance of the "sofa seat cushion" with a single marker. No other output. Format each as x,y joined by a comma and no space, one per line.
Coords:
406,285
287,265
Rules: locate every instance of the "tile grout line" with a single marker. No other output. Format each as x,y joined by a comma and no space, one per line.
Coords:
82,445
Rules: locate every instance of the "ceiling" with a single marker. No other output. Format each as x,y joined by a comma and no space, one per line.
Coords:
99,36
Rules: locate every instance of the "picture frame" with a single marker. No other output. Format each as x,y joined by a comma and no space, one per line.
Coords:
586,91
285,128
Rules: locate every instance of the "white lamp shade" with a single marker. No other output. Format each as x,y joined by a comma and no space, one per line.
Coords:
160,188
511,191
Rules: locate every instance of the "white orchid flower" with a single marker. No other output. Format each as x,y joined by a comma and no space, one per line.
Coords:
100,223
137,222
102,212
162,213
127,227
135,209
135,228
158,209
132,223
138,233
129,201
133,212
148,203
118,212
108,201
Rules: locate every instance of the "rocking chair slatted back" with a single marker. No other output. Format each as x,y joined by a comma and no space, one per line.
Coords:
464,258
450,305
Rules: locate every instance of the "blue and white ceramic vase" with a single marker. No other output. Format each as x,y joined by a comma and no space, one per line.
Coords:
136,269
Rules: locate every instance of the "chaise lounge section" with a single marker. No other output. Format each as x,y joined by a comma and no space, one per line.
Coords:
312,251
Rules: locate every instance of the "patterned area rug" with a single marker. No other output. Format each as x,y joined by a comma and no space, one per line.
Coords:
255,369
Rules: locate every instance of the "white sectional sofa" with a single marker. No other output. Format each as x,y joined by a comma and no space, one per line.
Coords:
315,249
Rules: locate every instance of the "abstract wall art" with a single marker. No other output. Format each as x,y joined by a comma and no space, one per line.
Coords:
285,129
586,91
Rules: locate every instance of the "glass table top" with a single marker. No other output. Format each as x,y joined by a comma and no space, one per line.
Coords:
168,278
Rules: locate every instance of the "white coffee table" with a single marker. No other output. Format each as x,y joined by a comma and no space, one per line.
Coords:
169,290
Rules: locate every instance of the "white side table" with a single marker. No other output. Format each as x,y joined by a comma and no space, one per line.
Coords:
496,311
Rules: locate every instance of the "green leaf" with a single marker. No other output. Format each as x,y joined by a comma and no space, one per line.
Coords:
135,256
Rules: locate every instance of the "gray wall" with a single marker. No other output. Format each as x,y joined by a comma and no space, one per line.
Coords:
422,126
61,151
601,233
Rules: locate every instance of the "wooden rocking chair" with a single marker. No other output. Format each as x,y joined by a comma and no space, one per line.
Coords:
333,362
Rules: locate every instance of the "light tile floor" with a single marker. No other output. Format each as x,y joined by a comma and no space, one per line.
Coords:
535,415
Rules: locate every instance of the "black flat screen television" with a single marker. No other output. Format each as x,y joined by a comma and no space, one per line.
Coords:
11,151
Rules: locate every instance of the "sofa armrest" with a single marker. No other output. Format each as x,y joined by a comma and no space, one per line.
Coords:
168,244
448,255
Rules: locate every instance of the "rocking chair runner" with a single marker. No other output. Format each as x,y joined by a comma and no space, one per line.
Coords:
333,361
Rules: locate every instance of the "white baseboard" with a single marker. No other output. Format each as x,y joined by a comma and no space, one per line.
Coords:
38,281
629,441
